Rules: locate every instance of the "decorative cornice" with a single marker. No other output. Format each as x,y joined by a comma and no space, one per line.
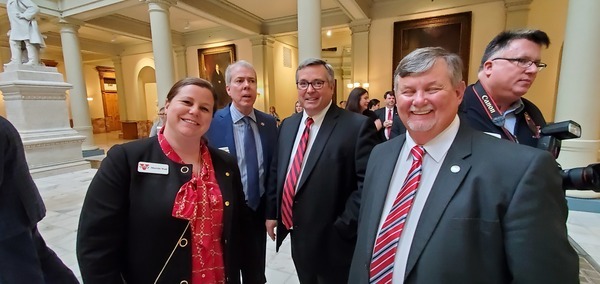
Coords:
262,40
17,97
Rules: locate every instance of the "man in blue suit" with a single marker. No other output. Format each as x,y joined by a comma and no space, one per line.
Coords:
250,135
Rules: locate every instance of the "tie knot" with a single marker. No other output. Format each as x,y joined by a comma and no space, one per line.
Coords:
417,152
247,120
309,122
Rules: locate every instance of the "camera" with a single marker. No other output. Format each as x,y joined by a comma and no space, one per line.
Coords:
551,136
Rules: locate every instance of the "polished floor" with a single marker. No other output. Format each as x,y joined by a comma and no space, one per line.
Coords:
63,195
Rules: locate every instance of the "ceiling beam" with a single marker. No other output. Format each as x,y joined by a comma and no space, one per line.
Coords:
355,9
122,25
224,14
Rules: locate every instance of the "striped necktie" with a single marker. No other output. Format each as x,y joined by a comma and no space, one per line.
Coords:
386,244
289,188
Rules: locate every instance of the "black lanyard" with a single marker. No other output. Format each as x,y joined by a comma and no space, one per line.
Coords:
496,116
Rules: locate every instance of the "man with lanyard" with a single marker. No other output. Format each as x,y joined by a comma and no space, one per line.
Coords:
494,104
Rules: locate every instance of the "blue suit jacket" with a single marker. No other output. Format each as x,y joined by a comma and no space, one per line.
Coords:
220,134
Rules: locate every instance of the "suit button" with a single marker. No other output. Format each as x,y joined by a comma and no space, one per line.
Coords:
226,174
226,203
183,282
185,169
183,242
225,241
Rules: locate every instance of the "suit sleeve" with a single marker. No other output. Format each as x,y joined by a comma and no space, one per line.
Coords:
367,139
397,128
102,225
535,233
271,186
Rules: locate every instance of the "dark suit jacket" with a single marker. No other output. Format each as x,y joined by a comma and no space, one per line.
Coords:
500,219
21,206
473,112
126,229
327,200
397,126
24,257
220,134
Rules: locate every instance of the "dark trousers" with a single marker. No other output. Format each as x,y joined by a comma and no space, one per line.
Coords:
25,258
331,274
254,245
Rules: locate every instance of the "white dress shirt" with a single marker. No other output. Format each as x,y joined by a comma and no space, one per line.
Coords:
435,152
314,130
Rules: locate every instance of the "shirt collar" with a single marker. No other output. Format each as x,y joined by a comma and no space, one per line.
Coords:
438,146
516,107
236,115
319,117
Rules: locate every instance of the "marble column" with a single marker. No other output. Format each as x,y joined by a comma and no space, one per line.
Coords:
309,29
80,111
517,13
360,50
117,62
162,46
578,98
262,59
181,58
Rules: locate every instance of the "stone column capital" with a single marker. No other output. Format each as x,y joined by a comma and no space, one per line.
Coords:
359,26
163,2
69,24
262,40
515,5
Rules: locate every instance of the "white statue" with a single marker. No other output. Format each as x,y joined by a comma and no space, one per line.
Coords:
24,30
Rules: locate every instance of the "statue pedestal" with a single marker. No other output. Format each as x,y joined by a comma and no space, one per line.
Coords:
35,102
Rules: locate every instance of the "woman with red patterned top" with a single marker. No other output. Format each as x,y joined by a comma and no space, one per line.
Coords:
165,209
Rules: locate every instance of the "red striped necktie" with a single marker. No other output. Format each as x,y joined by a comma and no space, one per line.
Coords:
388,130
386,244
289,188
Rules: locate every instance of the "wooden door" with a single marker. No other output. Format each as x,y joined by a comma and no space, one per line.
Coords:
111,111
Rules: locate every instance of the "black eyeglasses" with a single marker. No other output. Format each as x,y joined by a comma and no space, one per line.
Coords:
316,84
524,63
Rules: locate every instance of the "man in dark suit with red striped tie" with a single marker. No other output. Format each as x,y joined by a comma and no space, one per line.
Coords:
316,175
448,204
392,125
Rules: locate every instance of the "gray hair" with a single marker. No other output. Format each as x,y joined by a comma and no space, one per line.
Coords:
315,61
422,59
239,63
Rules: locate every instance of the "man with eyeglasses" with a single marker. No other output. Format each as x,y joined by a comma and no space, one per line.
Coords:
316,175
495,103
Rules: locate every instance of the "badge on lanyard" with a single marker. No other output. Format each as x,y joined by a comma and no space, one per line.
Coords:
153,168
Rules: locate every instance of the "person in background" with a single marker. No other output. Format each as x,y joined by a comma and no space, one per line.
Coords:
449,204
392,125
251,136
358,102
158,122
317,173
165,209
343,104
24,256
373,104
298,107
495,103
274,114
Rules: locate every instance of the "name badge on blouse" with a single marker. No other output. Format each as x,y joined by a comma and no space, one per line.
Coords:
153,168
